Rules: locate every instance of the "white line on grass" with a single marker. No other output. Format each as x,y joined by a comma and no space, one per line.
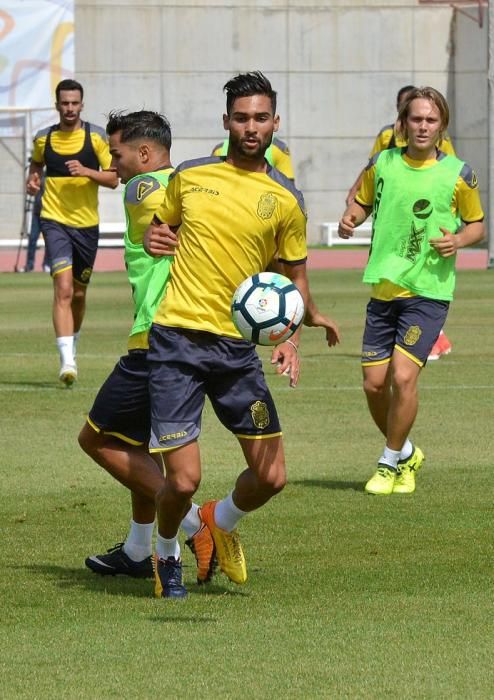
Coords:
319,389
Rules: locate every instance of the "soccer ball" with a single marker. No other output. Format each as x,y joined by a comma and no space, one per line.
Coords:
267,308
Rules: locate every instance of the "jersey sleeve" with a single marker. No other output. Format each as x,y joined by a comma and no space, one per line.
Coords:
143,196
102,150
467,196
292,237
382,140
38,155
365,194
170,210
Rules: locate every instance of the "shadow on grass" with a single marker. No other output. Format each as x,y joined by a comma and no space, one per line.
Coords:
32,384
69,577
330,484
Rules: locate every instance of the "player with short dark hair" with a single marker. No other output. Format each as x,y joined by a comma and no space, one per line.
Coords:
117,429
234,214
76,159
425,206
68,84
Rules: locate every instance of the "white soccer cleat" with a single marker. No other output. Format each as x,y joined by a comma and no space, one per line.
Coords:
68,374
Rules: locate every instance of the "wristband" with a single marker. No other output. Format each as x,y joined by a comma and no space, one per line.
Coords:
290,342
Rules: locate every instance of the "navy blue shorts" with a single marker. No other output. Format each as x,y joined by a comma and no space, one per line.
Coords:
121,407
185,367
411,325
70,247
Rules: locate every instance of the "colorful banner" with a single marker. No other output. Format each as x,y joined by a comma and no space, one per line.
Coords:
36,52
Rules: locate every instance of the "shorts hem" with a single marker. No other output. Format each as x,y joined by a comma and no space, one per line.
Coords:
375,363
113,433
409,355
154,450
264,436
81,284
63,269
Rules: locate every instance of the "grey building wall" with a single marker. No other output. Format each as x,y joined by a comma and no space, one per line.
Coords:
336,65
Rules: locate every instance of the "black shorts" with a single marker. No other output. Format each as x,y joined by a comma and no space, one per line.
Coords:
71,248
410,325
121,407
185,367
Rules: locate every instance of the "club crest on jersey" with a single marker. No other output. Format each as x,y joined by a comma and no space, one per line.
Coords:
412,335
260,414
86,274
266,205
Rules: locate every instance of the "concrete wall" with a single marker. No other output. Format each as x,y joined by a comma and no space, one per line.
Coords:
336,65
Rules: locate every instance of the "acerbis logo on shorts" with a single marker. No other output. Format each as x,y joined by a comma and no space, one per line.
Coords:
412,335
260,414
172,436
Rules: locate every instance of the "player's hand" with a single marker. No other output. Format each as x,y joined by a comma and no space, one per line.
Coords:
76,169
33,184
319,320
160,240
286,358
346,226
446,245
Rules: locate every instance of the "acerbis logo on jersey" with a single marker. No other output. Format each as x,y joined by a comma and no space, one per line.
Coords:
206,190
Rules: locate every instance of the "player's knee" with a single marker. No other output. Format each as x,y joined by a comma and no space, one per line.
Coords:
64,294
79,295
373,388
273,481
181,486
404,381
88,440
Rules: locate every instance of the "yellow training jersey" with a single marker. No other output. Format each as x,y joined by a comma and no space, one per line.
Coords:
389,137
232,222
465,203
278,155
69,199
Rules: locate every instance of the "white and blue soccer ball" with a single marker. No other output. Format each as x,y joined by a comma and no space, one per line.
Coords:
267,308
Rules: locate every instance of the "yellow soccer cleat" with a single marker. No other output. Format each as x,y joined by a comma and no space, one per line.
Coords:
405,478
382,482
229,552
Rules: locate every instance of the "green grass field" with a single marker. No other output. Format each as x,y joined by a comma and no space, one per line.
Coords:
349,596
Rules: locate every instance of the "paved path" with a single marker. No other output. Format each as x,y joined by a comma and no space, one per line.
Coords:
111,259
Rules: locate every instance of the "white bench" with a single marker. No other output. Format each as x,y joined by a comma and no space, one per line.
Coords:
111,229
329,234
